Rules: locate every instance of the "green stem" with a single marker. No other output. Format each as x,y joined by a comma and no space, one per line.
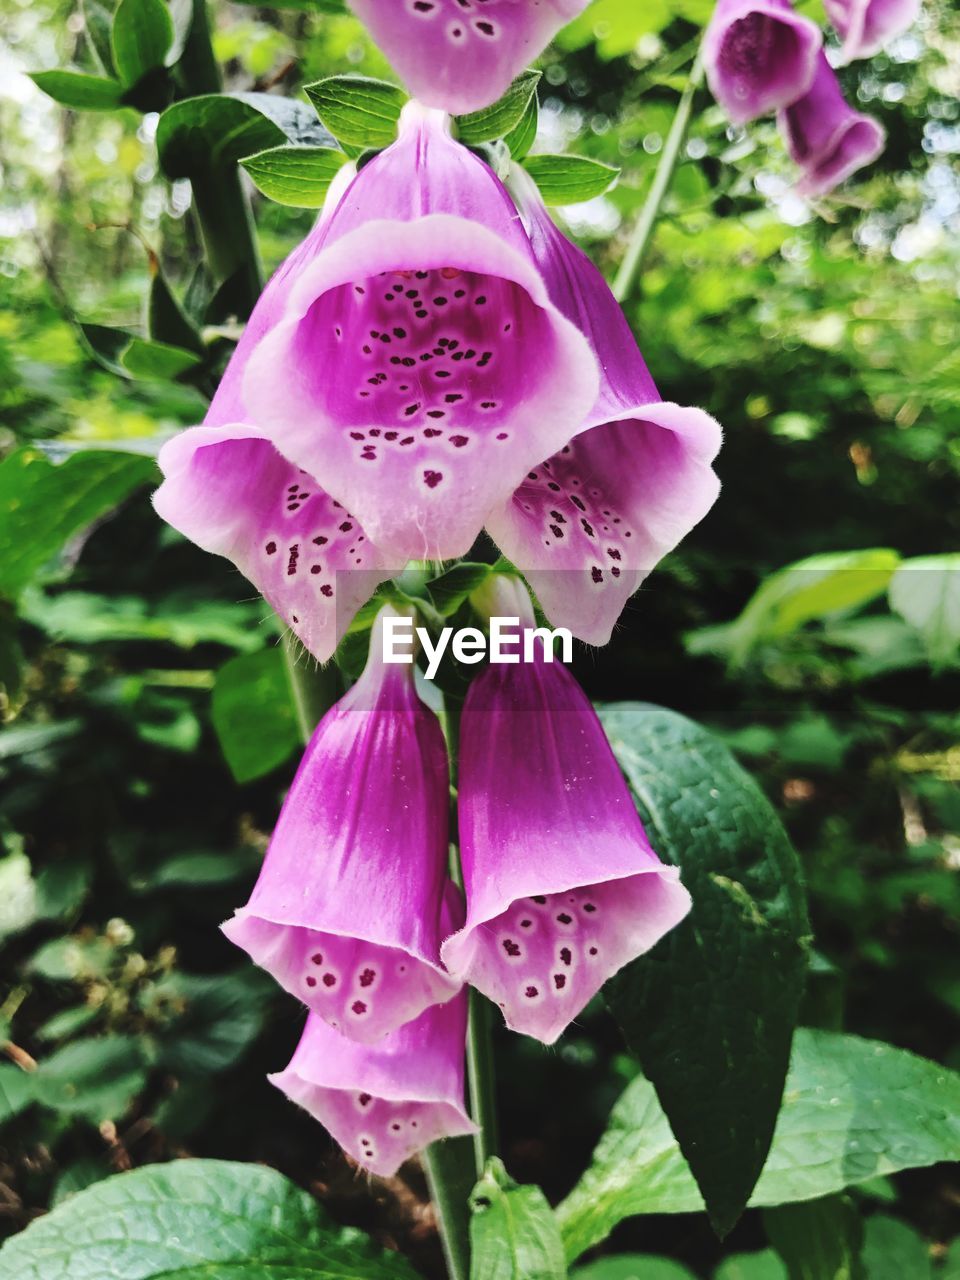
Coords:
480,1073
450,1177
315,689
640,238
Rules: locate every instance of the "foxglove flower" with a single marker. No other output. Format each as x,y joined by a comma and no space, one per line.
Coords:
460,55
591,521
759,56
420,369
384,1102
826,137
227,488
866,26
563,888
346,913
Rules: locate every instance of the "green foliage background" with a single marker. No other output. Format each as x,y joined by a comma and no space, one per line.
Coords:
132,815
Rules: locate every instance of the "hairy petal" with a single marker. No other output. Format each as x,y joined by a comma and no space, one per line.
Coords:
421,368
346,913
230,491
866,26
384,1103
563,888
826,137
759,56
587,525
460,55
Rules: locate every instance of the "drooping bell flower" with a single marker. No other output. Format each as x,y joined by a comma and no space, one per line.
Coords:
421,369
460,55
866,26
759,56
346,913
589,523
826,137
384,1102
562,886
227,488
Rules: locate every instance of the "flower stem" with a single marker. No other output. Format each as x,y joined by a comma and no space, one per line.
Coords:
480,1073
450,1176
314,688
640,237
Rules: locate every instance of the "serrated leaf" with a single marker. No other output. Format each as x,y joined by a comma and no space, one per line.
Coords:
505,114
78,90
569,179
253,714
925,591
42,504
818,1240
140,39
198,1220
513,1233
852,1109
295,176
204,135
722,990
360,112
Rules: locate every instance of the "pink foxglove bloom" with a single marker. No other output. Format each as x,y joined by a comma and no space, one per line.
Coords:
460,55
384,1102
562,886
826,137
420,368
866,26
759,56
346,913
227,488
588,524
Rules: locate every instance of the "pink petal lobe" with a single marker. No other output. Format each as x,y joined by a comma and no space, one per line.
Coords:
867,26
759,56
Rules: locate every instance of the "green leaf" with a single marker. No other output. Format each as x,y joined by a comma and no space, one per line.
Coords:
569,179
818,1240
852,1109
513,1233
97,24
144,359
449,591
253,714
503,116
215,131
522,137
167,322
764,1265
218,1019
67,1023
196,1220
77,90
633,1266
95,1078
295,176
925,591
43,504
16,1091
722,990
894,1251
141,38
360,112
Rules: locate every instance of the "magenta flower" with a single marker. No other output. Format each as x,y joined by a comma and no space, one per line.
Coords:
346,913
826,137
420,368
588,524
866,26
385,1102
460,55
759,56
229,490
563,888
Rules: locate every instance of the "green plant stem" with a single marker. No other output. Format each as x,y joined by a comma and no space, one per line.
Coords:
315,689
640,237
480,1075
450,1178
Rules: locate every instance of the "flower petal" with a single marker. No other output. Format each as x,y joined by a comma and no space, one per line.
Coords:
759,56
563,888
230,491
347,911
384,1103
454,373
458,56
866,26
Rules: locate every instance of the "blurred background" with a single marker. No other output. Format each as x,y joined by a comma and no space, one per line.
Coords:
148,736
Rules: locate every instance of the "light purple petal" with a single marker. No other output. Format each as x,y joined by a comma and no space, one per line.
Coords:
421,369
346,913
587,525
826,137
759,56
386,1102
460,55
230,491
866,26
563,888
